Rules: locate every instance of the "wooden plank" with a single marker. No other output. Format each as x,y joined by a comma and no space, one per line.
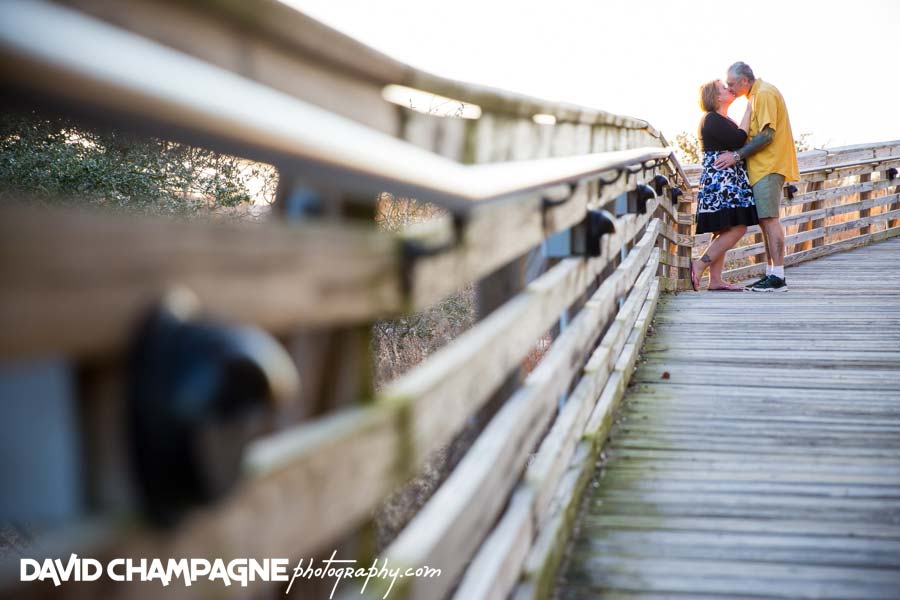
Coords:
822,550
446,531
721,577
863,223
685,227
777,526
495,569
69,288
837,192
806,224
555,451
753,249
894,206
237,115
413,417
559,445
812,162
272,44
855,206
449,387
849,169
727,455
863,197
276,276
669,232
793,259
544,558
495,234
673,260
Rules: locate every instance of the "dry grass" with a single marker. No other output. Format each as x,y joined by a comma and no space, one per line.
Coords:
401,344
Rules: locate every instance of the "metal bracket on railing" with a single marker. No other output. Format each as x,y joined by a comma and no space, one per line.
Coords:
791,190
646,165
605,182
675,193
641,194
631,169
199,390
413,250
598,223
891,173
659,182
547,202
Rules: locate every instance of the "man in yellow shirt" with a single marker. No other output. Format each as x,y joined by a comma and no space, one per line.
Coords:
771,160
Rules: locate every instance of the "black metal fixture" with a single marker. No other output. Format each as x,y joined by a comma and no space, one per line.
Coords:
549,202
659,182
637,199
891,173
598,223
791,189
612,180
583,239
675,193
199,391
414,249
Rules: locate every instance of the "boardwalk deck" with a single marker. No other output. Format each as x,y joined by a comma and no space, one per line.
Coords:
757,454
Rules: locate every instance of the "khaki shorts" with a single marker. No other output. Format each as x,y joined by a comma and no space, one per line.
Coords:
767,193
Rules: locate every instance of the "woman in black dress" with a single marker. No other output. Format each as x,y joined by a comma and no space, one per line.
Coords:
725,205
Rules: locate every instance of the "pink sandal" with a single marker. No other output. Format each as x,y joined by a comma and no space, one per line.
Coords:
695,281
727,288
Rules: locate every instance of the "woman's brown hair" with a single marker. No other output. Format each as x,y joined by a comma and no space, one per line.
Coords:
709,96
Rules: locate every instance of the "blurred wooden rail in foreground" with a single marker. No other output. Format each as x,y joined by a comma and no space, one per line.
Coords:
262,81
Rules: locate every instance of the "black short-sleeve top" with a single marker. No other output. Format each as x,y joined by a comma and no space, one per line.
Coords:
718,133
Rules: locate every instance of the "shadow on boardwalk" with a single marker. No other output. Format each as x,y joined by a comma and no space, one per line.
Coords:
758,453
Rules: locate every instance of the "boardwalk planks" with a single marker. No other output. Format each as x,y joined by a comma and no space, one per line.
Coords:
759,454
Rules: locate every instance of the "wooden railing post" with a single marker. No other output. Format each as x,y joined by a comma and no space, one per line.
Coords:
336,364
895,205
685,227
863,196
490,294
812,186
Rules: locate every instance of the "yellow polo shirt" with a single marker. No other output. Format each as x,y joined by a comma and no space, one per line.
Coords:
780,156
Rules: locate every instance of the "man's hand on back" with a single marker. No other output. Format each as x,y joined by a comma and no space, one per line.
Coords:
725,160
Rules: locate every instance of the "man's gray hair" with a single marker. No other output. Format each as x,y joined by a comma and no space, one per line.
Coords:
742,69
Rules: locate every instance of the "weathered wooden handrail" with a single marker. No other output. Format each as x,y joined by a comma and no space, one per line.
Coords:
497,522
182,94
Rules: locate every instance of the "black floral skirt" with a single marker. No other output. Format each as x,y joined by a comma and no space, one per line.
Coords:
724,197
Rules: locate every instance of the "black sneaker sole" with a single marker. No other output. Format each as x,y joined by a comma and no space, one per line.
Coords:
767,290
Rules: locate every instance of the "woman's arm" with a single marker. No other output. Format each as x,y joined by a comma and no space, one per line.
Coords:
745,121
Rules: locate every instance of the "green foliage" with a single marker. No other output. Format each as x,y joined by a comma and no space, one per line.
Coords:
688,147
53,159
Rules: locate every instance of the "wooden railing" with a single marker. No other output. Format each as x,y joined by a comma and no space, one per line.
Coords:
846,197
79,286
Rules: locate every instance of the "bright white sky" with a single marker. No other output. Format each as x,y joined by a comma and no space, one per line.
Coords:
834,61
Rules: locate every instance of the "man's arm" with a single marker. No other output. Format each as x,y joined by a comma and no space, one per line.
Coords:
759,141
